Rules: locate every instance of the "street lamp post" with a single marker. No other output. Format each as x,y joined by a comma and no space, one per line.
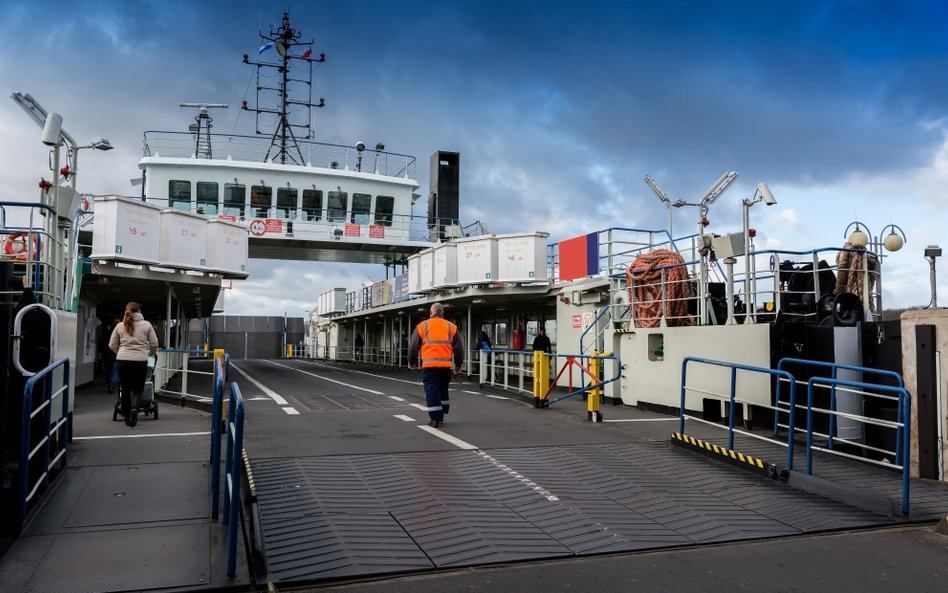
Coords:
875,244
668,204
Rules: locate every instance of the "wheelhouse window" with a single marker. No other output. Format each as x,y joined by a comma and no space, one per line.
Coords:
384,207
207,197
179,194
338,204
361,206
235,198
312,204
286,202
261,198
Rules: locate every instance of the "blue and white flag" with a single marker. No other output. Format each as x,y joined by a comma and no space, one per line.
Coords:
265,47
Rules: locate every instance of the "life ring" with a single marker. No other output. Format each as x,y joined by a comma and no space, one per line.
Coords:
86,204
16,246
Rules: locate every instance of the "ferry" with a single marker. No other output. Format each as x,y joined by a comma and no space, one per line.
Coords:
698,390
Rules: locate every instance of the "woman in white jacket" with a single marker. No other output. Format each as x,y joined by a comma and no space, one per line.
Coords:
133,341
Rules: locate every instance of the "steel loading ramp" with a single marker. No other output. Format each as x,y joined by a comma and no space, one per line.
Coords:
326,518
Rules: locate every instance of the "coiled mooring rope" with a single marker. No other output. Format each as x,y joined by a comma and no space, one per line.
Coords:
644,286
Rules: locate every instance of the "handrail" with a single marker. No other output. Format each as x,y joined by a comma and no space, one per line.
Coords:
732,398
235,445
836,367
216,423
62,424
902,432
168,364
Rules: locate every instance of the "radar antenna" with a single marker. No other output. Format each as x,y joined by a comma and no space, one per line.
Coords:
201,128
293,126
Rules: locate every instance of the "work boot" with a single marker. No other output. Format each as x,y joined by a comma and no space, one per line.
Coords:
434,424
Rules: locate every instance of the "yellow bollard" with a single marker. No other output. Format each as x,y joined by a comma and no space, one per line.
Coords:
593,395
541,379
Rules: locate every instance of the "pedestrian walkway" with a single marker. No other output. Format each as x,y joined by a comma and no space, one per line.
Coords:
132,511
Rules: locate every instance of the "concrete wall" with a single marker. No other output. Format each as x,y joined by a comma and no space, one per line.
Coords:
909,320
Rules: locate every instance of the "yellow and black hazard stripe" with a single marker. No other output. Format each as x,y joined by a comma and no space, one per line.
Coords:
736,458
249,474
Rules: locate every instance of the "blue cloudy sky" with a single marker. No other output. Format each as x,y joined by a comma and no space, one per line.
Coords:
559,109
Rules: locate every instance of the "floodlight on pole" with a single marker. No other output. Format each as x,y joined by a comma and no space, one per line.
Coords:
761,194
664,198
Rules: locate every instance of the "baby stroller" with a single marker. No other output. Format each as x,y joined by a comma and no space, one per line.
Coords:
147,403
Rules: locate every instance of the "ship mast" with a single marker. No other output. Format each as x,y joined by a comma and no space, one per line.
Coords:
290,128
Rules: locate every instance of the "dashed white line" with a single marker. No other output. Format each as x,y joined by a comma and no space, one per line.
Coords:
420,407
404,417
272,394
495,396
291,411
396,398
525,480
644,420
142,435
471,392
350,385
446,437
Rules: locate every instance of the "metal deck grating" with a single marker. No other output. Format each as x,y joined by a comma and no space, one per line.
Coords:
334,517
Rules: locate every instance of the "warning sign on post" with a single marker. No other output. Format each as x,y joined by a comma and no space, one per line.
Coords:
577,321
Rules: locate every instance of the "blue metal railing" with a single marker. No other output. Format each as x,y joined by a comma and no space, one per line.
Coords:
732,397
217,405
835,367
902,432
235,440
59,430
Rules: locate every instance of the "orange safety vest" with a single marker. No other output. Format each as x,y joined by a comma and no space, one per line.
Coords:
436,337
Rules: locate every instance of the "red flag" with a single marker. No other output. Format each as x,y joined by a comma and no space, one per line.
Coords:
307,54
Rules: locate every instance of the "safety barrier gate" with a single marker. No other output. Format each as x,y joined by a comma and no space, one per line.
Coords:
172,361
53,434
792,409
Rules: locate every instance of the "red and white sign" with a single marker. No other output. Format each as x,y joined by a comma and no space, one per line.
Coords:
227,217
258,228
273,225
577,321
376,231
352,230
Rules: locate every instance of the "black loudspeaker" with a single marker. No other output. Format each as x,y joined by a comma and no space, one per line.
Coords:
847,310
444,201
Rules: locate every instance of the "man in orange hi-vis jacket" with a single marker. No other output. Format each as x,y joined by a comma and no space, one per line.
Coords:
437,343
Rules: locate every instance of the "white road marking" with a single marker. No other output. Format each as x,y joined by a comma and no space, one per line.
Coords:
329,366
446,437
142,435
501,466
420,407
644,420
495,396
269,392
258,398
351,386
404,417
525,480
471,392
291,411
396,398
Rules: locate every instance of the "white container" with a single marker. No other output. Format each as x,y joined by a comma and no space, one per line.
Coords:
332,301
126,230
226,251
183,240
477,260
521,257
414,272
445,265
426,270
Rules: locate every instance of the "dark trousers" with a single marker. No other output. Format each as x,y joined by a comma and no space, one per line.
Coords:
132,378
435,381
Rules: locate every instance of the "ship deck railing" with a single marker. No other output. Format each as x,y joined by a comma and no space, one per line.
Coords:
259,149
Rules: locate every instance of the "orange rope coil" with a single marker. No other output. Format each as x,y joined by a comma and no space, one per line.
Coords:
644,286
